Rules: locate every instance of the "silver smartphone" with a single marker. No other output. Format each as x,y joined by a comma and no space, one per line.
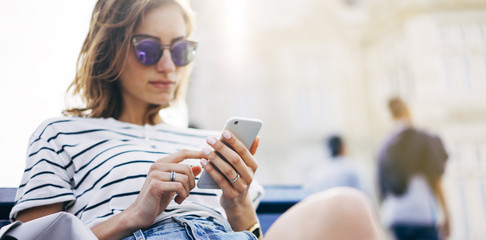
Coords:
246,130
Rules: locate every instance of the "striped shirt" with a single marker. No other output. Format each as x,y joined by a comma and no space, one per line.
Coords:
98,166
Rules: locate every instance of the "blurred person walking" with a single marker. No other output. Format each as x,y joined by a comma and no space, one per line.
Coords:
411,163
340,171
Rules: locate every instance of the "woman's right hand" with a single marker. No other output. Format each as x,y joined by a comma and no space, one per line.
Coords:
154,197
158,189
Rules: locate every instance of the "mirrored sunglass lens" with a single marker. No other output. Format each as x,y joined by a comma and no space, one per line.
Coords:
182,53
148,52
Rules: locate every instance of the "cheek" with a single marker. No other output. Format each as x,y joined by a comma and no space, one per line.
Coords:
179,74
132,72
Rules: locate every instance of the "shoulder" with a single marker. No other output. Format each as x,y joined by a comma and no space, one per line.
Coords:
428,138
187,132
430,135
53,126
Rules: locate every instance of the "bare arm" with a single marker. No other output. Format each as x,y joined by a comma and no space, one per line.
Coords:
117,227
440,195
38,212
114,228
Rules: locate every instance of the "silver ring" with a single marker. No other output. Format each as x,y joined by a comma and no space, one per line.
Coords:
172,176
236,178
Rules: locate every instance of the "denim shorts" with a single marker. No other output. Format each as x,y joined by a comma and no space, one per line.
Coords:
189,227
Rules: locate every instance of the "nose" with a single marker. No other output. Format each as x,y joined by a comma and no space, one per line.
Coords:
166,64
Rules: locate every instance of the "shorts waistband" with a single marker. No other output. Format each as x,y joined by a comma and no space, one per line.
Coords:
177,222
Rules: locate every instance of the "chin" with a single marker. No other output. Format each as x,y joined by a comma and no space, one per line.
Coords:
165,105
162,103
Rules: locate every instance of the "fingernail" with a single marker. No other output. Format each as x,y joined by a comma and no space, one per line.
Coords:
204,162
206,151
211,140
226,134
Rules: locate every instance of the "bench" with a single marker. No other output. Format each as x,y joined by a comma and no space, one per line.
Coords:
277,199
7,198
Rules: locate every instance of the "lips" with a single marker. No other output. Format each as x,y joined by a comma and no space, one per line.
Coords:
162,84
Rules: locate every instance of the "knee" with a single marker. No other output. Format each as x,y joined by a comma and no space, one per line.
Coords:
347,208
341,193
331,213
342,198
342,202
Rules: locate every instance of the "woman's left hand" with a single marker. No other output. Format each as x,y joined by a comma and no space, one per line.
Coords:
234,177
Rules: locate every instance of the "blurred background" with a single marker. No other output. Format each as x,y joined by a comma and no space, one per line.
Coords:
307,68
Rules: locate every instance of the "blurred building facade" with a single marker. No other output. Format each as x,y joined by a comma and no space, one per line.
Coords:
312,68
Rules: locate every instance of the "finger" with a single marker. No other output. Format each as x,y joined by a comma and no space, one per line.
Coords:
240,149
183,173
166,177
227,161
183,181
217,162
160,187
176,187
231,183
196,170
220,179
255,145
181,156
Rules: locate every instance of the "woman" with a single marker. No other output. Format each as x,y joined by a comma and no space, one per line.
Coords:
124,82
99,163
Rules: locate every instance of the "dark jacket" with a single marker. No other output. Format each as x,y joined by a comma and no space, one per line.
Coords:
408,153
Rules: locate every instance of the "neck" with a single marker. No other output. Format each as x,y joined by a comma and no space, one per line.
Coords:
137,115
138,119
134,110
403,122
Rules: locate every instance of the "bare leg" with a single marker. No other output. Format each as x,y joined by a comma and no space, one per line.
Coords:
339,213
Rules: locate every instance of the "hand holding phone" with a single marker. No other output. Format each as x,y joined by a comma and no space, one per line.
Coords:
246,130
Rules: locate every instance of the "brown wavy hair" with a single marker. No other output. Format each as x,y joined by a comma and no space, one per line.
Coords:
103,56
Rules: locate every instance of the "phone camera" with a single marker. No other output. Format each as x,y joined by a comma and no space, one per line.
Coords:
236,122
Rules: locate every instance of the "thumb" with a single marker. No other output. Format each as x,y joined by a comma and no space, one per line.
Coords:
196,170
254,146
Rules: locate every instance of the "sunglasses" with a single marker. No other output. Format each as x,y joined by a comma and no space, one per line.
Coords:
149,50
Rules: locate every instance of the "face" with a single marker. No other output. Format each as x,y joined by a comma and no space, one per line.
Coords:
143,85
